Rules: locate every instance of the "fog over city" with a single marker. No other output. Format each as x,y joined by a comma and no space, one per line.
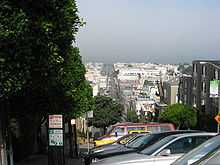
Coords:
161,31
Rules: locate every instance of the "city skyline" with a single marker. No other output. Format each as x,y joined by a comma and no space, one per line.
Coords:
156,31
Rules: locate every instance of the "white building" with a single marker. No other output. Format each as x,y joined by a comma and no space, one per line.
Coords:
132,76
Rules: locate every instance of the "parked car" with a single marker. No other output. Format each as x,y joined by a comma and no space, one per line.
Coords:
124,140
163,152
211,159
120,143
200,152
121,129
137,144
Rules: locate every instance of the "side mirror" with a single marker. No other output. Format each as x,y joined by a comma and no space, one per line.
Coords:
165,152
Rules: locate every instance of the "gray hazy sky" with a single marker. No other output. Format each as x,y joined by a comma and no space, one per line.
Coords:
162,31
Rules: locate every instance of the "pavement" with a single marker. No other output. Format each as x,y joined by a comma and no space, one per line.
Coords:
43,160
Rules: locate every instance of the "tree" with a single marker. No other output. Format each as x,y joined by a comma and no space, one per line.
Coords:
41,71
181,115
106,112
132,116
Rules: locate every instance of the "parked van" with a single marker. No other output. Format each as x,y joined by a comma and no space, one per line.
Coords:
121,129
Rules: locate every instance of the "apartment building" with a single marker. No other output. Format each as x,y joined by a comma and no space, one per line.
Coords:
171,91
203,72
185,89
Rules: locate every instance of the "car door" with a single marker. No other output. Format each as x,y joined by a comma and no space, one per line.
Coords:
178,148
185,144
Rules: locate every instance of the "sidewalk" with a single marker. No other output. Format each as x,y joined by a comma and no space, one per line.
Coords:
43,160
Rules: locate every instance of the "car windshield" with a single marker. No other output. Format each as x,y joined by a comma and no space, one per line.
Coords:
133,139
140,141
125,139
150,150
199,152
212,159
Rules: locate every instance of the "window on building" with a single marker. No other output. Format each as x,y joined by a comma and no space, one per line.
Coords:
185,85
185,98
203,87
204,70
194,68
165,93
194,83
194,101
216,74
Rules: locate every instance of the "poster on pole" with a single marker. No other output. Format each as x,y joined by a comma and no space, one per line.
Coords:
56,137
55,121
214,88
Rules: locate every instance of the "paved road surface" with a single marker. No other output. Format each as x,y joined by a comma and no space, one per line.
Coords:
42,160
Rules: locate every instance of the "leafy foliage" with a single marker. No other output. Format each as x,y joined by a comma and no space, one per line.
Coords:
181,115
132,116
106,112
41,71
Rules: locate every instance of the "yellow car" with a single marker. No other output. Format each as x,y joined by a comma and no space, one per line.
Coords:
105,140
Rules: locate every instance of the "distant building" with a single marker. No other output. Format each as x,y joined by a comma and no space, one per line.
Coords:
171,91
203,72
185,89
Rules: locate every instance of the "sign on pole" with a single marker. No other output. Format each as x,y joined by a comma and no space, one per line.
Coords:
214,88
90,114
56,137
217,118
55,121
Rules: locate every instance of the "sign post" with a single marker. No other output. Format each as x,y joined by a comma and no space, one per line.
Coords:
88,116
55,140
215,93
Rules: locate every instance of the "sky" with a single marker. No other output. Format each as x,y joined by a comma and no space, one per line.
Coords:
157,31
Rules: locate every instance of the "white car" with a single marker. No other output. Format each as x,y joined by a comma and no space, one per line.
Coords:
163,152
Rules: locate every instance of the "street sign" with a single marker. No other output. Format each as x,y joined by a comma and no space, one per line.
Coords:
55,137
217,118
214,88
55,121
90,114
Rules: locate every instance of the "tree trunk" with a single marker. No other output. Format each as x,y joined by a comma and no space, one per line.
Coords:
104,130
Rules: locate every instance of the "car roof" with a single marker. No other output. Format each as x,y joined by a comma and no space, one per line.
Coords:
138,124
176,131
195,134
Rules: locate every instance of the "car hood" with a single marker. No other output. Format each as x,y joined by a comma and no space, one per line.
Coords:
122,159
113,151
106,148
138,159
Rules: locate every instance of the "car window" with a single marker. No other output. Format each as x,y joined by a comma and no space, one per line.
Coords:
125,139
153,148
199,152
186,144
181,145
140,141
153,129
211,160
164,128
135,128
120,131
158,128
133,139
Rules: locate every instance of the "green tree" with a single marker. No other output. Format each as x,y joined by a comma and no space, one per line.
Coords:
38,63
106,112
132,116
181,115
41,71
